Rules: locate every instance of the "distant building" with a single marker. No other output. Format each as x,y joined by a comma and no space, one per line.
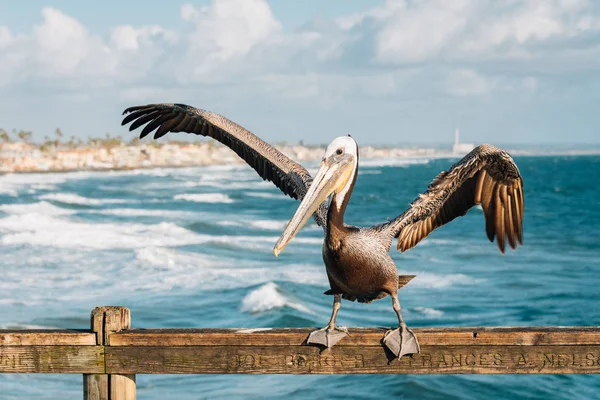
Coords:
461,148
18,150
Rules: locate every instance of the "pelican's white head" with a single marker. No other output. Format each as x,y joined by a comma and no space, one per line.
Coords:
342,150
335,175
345,144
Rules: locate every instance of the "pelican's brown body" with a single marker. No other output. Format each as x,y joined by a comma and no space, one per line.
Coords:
358,263
357,259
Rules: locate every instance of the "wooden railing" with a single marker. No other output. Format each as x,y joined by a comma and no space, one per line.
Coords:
111,353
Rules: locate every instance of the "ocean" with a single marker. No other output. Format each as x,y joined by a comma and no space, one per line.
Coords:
192,247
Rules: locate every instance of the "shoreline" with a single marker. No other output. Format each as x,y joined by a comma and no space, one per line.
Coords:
22,158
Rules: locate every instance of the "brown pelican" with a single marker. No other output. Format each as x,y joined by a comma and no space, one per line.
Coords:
357,259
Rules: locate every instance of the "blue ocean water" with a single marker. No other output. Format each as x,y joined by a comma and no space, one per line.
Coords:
192,247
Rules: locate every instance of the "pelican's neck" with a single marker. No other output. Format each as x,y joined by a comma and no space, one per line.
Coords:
339,201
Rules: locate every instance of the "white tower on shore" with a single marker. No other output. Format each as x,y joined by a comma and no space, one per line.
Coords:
461,148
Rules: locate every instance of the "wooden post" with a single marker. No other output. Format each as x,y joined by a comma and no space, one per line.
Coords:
105,321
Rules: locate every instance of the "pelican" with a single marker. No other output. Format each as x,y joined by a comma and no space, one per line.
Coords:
357,261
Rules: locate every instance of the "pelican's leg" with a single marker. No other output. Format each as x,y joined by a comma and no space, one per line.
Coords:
331,334
402,340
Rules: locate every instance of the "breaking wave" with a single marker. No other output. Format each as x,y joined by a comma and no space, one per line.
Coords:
429,312
268,297
71,198
265,195
205,197
438,281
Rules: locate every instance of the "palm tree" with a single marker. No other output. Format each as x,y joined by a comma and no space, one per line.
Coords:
25,136
4,136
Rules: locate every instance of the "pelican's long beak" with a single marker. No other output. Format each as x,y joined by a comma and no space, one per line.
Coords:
332,176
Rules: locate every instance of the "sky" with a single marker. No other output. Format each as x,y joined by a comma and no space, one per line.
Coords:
387,72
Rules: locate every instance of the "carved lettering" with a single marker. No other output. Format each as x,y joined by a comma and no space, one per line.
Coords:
562,360
441,360
497,359
8,360
470,360
483,360
574,362
456,361
534,359
325,360
591,360
548,360
427,360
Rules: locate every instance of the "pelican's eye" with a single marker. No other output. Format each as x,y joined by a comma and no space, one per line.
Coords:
339,152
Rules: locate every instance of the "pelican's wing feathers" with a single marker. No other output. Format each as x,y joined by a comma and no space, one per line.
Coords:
271,164
486,176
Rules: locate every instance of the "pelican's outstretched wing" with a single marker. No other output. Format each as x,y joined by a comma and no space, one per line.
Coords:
271,164
486,176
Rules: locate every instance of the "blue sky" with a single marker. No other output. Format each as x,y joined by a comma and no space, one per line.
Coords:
388,72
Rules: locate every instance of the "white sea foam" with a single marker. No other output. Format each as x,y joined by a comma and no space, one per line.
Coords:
25,326
43,186
268,297
140,212
266,195
48,230
429,312
41,208
46,226
230,185
369,172
268,225
72,198
264,224
204,197
173,268
393,162
437,281
12,184
9,191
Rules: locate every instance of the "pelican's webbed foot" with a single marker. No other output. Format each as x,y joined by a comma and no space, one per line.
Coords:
327,336
401,341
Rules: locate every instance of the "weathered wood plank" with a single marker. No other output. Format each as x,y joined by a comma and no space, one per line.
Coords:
347,360
46,337
52,359
105,321
122,387
95,386
358,336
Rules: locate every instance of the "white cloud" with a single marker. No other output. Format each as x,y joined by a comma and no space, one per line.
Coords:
468,30
61,52
227,29
467,82
61,46
421,30
451,44
5,37
127,37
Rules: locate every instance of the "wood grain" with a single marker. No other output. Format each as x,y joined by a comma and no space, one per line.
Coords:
46,337
52,359
95,386
358,336
110,368
105,321
347,360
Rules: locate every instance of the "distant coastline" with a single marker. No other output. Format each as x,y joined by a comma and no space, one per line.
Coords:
112,154
21,157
